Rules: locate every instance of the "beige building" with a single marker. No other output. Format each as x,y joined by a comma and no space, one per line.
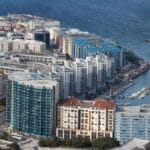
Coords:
91,119
19,44
36,46
7,45
67,45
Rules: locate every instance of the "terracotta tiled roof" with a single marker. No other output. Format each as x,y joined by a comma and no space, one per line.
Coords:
103,104
70,102
108,104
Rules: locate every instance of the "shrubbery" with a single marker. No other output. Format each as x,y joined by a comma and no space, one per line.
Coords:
80,142
132,57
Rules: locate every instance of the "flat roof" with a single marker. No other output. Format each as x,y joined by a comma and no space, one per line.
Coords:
133,111
82,42
39,83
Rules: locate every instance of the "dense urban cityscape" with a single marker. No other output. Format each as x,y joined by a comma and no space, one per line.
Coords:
61,84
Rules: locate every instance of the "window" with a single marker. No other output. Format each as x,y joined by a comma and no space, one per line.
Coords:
66,134
73,134
100,135
107,134
60,133
93,135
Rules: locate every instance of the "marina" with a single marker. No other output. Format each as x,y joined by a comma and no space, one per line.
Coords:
139,83
140,94
136,95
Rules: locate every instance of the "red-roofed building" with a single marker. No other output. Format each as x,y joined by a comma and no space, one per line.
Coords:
92,119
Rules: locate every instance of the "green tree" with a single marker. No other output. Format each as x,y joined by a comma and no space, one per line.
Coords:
48,142
67,142
132,57
55,142
81,142
42,143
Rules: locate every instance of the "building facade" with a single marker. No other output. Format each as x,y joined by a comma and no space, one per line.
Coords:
132,122
90,119
43,36
2,85
31,104
79,46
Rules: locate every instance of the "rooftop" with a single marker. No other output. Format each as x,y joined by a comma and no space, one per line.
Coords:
133,111
82,42
26,76
39,83
99,103
110,47
108,104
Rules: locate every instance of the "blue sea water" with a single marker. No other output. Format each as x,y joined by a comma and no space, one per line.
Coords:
125,21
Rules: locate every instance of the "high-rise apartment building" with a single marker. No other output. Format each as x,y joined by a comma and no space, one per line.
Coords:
31,104
79,46
82,76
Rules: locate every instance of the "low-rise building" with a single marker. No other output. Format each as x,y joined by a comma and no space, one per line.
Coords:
19,44
92,119
36,46
5,45
132,122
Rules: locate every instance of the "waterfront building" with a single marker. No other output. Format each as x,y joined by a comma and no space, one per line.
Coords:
79,46
43,36
115,52
132,122
83,47
94,39
92,119
112,50
31,104
82,76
